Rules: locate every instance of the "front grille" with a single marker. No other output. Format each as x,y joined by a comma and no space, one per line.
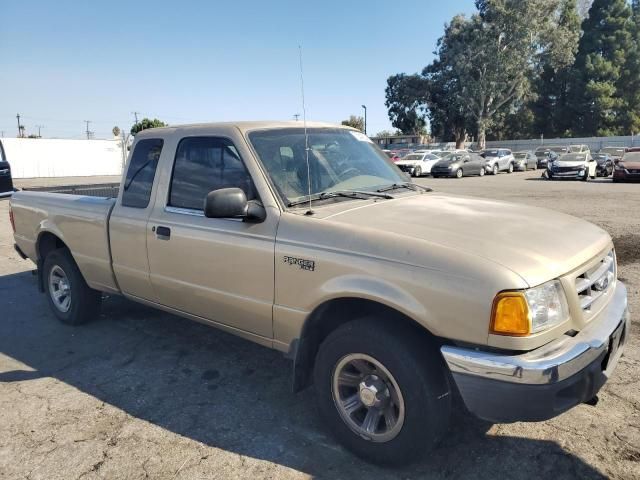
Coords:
634,171
405,168
595,283
565,169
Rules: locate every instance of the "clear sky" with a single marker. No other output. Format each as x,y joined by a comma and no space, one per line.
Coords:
64,62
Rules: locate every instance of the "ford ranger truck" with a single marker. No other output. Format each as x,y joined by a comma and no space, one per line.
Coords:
306,241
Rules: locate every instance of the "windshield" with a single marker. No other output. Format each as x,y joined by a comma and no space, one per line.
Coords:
519,155
452,157
613,151
573,157
339,159
489,153
558,149
414,156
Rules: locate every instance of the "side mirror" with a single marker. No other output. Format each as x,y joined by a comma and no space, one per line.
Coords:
232,203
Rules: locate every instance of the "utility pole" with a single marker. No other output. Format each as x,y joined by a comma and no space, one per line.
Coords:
39,127
89,133
19,126
135,114
296,116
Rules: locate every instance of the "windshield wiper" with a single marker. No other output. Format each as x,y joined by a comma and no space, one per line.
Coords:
408,185
358,194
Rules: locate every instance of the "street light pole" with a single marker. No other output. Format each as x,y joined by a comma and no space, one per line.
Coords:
365,118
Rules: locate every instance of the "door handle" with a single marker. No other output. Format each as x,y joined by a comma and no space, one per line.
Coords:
163,233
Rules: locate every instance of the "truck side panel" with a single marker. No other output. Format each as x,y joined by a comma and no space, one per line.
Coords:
78,221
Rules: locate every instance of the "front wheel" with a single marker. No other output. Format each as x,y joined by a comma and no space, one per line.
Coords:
510,169
70,298
494,170
382,391
417,172
481,172
459,173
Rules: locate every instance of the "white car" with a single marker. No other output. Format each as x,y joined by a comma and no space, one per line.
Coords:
498,160
418,164
580,166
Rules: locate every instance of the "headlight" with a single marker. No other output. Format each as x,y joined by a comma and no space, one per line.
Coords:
522,313
618,167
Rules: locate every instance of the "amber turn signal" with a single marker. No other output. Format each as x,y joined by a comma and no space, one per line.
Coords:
510,315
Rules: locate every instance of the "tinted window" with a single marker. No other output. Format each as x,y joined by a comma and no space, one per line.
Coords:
142,170
204,164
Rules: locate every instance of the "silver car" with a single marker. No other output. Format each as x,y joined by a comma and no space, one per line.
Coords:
498,160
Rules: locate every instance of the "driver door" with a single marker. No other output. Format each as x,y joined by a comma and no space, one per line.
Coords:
217,269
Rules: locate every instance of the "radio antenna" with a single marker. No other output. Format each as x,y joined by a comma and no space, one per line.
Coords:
306,136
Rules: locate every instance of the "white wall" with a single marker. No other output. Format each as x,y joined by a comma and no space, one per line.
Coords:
43,157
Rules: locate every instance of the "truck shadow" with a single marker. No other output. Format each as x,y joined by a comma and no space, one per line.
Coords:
230,394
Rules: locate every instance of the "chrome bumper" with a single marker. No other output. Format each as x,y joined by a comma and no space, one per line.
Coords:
555,361
547,381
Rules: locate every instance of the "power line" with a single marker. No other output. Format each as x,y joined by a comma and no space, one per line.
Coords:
135,114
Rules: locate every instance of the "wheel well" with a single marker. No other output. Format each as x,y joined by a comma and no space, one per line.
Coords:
48,242
331,315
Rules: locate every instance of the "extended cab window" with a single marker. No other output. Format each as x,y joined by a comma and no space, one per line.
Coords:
204,164
142,170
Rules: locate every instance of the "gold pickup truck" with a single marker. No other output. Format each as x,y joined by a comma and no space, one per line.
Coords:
396,302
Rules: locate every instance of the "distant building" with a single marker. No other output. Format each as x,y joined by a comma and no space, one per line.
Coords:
401,140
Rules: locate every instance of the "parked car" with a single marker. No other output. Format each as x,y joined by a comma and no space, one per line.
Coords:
6,180
579,149
498,160
525,161
316,252
605,164
616,153
418,164
459,165
628,168
578,166
544,155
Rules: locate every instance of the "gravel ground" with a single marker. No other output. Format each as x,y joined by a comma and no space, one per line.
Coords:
143,394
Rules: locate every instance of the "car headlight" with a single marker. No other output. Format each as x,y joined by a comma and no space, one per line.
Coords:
618,167
521,313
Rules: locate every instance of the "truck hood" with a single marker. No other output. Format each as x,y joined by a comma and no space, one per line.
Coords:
535,243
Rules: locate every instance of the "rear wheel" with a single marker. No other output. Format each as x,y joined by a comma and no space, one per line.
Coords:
417,172
382,391
481,172
459,173
510,170
69,296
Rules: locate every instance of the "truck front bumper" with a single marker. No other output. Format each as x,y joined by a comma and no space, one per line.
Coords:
547,381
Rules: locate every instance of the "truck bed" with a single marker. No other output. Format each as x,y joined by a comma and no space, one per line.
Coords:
80,221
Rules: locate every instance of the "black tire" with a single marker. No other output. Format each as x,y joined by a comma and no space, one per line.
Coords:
435,176
495,169
84,302
419,372
510,169
459,173
417,172
481,173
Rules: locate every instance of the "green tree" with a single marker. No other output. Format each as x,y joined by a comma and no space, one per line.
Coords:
406,102
386,133
551,108
630,77
146,123
448,116
598,80
116,131
493,54
355,122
